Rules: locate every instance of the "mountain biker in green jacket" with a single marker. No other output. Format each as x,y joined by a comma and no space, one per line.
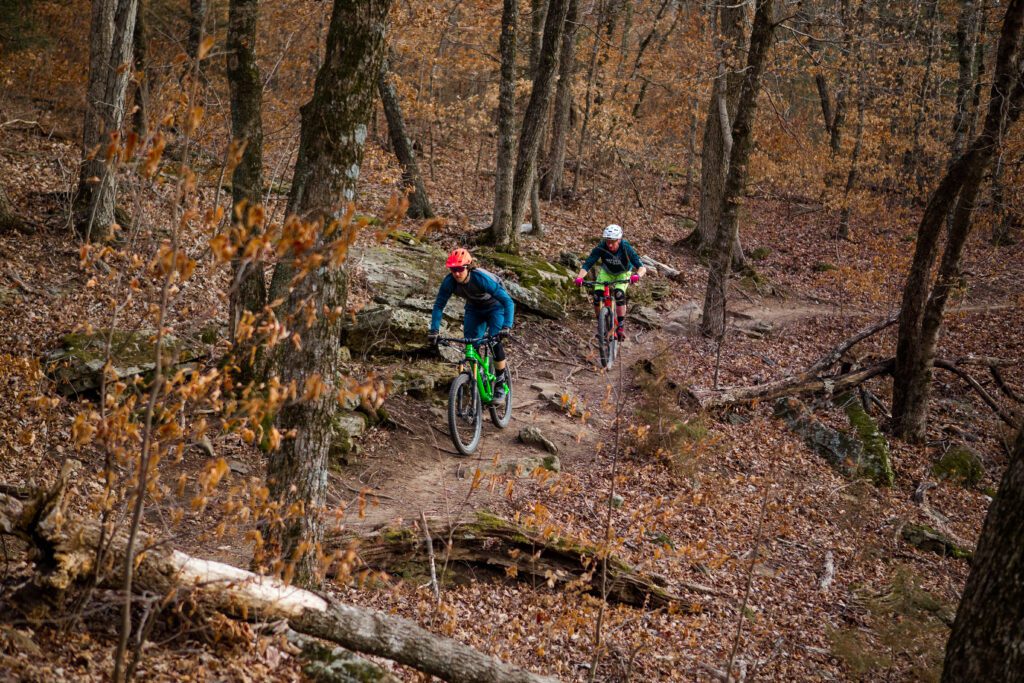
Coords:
617,258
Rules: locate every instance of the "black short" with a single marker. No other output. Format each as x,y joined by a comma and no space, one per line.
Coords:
620,297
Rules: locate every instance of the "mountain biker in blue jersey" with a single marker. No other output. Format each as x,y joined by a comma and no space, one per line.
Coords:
489,308
618,258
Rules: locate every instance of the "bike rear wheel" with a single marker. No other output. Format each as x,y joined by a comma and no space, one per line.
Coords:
465,416
501,412
605,343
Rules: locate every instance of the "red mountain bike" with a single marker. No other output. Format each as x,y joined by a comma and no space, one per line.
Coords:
607,322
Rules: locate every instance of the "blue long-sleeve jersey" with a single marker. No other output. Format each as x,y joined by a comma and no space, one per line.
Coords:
615,262
481,292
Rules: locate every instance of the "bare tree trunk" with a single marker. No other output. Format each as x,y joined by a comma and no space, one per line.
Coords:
691,152
141,94
587,102
196,23
923,306
501,222
110,52
851,176
534,123
761,35
551,182
661,45
716,148
249,287
966,39
333,132
419,203
912,157
538,13
987,641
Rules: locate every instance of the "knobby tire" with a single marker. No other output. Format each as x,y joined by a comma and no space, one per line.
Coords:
502,418
464,397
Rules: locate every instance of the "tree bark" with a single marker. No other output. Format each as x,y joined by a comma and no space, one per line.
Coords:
923,306
727,236
140,96
551,182
333,132
196,24
534,120
987,641
506,125
249,289
419,203
725,94
966,40
538,13
110,50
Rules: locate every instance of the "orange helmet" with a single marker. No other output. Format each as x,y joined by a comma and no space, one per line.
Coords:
459,257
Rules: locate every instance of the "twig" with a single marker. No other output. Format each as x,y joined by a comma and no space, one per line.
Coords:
430,553
750,582
28,289
1006,417
367,492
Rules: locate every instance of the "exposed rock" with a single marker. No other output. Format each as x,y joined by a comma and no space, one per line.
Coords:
617,500
926,538
531,436
386,329
644,316
345,428
77,366
554,394
570,260
422,378
875,461
337,665
847,454
525,467
960,463
533,283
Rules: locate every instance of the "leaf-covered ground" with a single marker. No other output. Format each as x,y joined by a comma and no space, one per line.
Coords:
737,506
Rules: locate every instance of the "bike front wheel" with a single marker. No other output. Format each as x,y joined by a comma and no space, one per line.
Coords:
465,416
501,412
605,341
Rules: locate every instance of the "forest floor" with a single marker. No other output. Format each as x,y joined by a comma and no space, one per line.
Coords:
740,506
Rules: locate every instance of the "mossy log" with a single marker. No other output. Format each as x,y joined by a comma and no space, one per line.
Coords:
926,538
506,549
66,545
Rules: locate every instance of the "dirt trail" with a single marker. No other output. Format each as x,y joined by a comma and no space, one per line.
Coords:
415,468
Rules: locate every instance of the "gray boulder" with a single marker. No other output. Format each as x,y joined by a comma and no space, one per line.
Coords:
77,365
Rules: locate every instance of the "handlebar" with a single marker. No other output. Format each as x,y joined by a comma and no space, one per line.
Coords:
486,339
590,283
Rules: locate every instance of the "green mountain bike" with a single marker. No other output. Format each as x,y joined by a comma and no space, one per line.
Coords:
471,390
607,322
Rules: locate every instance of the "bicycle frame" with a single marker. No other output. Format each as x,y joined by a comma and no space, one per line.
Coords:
477,365
607,300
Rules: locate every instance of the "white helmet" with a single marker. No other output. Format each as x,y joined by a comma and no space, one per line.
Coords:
613,232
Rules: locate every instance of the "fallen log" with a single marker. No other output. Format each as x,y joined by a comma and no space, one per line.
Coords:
68,544
507,549
804,383
1005,416
808,381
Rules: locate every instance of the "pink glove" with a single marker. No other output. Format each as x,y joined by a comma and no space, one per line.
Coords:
634,278
578,281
